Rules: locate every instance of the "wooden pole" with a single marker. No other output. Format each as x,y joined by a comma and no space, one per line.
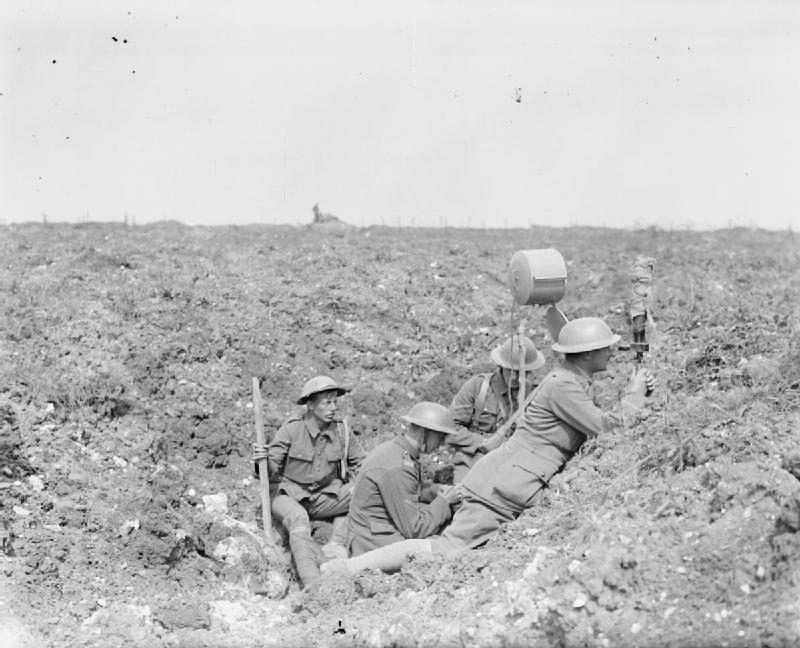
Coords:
263,470
521,388
346,427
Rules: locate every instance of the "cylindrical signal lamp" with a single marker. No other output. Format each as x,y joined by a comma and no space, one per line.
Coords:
537,277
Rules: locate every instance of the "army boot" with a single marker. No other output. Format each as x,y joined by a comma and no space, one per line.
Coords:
335,547
304,555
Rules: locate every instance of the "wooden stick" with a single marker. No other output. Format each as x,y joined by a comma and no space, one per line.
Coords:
346,427
263,470
521,377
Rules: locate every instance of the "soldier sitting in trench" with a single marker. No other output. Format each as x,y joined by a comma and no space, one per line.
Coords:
486,401
309,461
507,480
389,502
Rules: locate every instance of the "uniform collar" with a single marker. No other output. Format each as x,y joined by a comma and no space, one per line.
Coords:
314,430
500,387
407,446
582,376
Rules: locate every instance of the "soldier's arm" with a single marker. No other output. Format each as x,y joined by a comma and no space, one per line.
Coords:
462,408
572,404
428,492
398,488
278,449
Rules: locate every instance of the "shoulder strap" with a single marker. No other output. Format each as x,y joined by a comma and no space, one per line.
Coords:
480,401
501,432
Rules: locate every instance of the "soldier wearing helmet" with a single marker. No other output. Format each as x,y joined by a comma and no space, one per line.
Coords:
486,401
389,502
310,460
506,481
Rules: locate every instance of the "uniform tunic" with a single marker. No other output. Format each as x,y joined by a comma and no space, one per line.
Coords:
306,461
473,428
305,470
505,482
388,501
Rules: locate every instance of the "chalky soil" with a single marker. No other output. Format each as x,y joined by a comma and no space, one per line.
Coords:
130,516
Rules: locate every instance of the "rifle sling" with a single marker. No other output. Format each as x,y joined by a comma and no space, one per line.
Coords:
503,430
480,401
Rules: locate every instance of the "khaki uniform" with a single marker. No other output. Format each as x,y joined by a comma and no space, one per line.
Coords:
506,481
388,503
305,465
475,427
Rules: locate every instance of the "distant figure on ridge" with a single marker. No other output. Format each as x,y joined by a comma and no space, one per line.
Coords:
320,217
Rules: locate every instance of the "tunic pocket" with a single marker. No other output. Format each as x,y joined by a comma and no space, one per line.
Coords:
301,452
333,452
518,481
382,528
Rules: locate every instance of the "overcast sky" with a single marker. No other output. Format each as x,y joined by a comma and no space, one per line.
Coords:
619,113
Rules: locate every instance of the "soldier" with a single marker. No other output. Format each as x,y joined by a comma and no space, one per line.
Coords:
389,503
487,400
506,481
309,461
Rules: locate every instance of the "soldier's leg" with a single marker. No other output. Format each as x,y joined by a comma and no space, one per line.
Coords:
333,505
336,547
389,558
294,518
329,505
472,525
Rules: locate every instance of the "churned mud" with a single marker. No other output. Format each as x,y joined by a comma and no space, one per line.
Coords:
130,517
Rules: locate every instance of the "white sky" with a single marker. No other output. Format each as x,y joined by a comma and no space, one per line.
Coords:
632,112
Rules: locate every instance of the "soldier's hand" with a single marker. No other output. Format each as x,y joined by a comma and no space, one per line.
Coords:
452,494
642,383
650,382
259,452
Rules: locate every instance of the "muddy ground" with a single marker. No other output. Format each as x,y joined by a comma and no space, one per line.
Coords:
126,359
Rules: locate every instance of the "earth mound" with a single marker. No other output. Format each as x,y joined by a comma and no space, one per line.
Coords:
130,514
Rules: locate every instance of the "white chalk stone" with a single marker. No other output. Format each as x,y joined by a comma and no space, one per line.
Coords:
217,502
36,483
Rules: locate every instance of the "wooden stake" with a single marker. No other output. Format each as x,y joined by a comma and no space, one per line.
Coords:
521,377
263,470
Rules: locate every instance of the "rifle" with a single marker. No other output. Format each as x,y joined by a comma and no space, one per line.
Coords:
263,470
494,441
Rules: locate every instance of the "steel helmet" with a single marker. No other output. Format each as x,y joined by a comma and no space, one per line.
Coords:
431,416
319,384
506,355
585,334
